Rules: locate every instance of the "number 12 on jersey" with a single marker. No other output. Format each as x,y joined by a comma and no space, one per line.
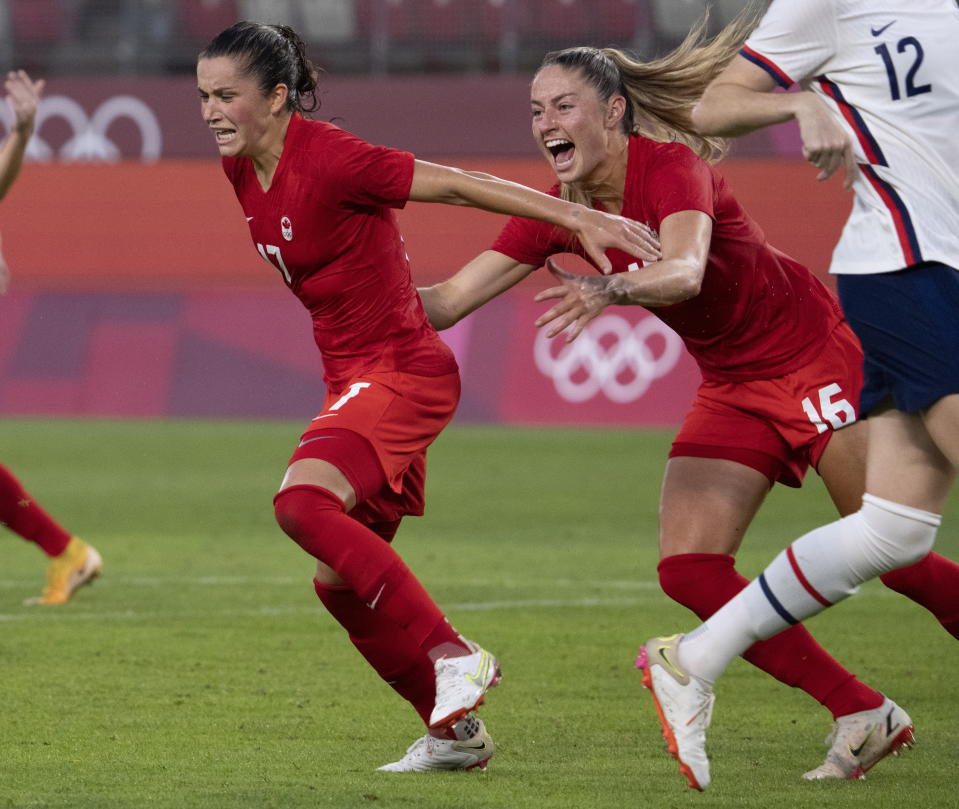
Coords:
271,253
838,412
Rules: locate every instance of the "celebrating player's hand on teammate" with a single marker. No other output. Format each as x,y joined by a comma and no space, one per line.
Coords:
582,298
824,142
23,96
598,232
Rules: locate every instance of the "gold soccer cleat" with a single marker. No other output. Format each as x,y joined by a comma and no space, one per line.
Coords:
79,564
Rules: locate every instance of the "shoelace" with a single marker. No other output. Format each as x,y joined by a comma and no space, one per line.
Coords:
418,743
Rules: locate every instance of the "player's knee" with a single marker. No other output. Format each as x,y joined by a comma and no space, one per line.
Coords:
301,511
888,535
701,582
675,581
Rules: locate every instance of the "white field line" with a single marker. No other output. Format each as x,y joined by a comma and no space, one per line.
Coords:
59,614
296,581
646,587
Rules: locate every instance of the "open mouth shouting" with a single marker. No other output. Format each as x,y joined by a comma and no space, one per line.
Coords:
223,135
562,151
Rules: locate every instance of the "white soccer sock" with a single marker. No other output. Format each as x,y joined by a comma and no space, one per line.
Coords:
816,571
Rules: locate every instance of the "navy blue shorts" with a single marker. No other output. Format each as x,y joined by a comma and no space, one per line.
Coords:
908,324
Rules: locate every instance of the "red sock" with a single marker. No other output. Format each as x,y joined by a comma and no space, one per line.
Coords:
387,648
23,516
703,582
933,582
315,519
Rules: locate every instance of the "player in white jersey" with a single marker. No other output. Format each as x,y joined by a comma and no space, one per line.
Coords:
880,98
887,74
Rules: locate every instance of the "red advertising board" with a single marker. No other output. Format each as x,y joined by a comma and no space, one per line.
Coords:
250,354
627,367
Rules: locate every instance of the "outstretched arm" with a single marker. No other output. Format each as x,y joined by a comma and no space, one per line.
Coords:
741,99
485,277
595,230
23,96
678,277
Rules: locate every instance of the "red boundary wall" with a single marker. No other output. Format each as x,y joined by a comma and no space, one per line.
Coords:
176,224
136,292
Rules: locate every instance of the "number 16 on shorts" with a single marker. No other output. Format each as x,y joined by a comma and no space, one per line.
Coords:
833,411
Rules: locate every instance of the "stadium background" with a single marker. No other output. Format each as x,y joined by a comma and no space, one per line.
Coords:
136,291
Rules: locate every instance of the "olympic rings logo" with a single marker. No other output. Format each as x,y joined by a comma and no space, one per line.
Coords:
610,357
90,141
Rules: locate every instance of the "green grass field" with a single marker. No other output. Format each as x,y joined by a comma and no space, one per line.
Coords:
201,671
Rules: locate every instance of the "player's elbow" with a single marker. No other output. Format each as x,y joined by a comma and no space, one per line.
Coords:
684,292
700,117
706,117
688,284
439,312
718,113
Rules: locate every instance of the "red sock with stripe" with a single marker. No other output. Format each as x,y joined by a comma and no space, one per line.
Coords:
933,582
22,515
704,582
816,571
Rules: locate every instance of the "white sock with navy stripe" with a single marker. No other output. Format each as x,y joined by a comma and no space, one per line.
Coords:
816,571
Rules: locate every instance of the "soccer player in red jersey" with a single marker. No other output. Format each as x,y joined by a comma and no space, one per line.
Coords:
317,200
73,562
781,369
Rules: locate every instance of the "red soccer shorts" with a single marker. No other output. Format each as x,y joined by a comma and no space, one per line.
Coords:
399,415
781,426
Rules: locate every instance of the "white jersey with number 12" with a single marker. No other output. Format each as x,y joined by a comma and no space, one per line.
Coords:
890,70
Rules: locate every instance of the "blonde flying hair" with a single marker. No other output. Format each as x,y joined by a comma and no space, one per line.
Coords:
661,93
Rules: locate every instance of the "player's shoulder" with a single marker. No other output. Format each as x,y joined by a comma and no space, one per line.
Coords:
308,134
333,142
790,9
317,148
309,130
658,157
650,149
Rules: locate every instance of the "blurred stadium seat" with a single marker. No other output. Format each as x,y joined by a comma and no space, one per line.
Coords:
37,22
318,21
352,36
553,24
725,10
201,20
34,27
673,18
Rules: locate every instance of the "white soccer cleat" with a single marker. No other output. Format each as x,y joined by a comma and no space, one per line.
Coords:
861,740
427,754
461,685
684,704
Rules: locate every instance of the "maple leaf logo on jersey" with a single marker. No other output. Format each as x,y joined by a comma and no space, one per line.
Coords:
286,228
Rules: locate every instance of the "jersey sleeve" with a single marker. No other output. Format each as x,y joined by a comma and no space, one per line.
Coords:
368,175
794,39
530,242
681,182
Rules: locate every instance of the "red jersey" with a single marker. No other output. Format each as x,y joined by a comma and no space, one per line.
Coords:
326,224
759,313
